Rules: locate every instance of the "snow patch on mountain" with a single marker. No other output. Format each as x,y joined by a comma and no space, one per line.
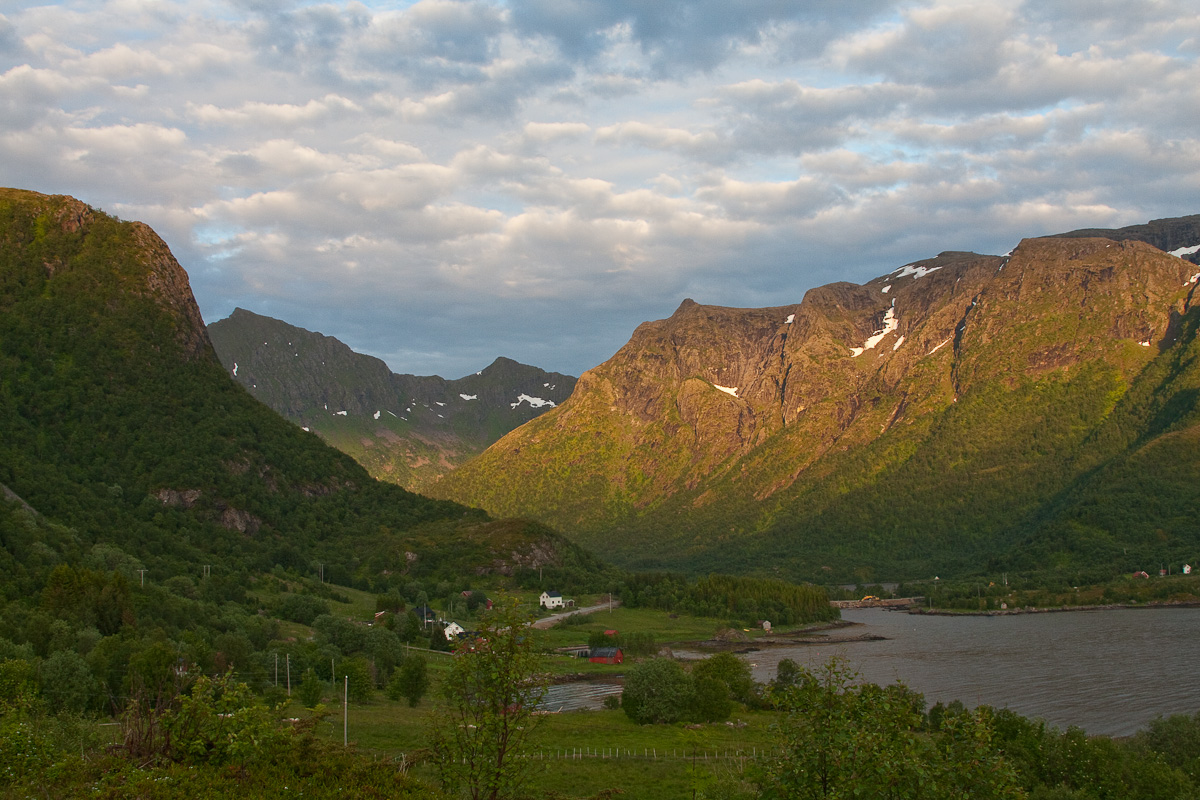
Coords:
939,347
890,323
534,402
469,396
733,390
1186,251
914,270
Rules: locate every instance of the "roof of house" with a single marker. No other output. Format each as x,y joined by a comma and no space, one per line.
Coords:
552,594
605,652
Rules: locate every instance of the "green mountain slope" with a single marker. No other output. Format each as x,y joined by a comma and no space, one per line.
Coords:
405,429
121,427
953,416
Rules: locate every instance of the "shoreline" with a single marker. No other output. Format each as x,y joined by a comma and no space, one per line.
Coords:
808,635
1006,612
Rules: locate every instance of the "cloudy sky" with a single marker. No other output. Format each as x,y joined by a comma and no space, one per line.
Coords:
442,182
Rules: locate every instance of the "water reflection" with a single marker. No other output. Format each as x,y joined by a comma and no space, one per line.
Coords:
579,695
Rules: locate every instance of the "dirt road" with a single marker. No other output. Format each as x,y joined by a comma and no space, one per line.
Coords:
554,619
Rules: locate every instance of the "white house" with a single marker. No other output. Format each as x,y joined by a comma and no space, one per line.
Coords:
452,630
551,600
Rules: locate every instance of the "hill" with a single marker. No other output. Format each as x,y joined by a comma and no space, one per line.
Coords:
405,429
963,413
122,428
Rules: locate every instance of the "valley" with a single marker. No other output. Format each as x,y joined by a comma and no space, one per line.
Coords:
195,585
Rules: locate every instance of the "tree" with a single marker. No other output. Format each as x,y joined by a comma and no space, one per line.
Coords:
410,681
731,671
310,690
842,739
67,682
221,722
658,690
493,688
360,683
710,701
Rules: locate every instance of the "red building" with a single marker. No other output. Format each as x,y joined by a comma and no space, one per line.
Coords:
606,655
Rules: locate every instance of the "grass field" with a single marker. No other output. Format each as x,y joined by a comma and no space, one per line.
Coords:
581,754
575,754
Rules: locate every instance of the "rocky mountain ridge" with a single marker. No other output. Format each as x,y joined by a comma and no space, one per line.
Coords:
406,429
760,434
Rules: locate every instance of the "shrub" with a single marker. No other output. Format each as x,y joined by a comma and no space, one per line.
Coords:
658,690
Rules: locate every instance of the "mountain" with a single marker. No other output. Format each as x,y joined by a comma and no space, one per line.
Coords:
962,413
123,430
405,429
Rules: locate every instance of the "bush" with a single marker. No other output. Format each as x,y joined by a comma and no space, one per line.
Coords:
67,683
410,681
658,690
361,679
710,700
310,689
732,672
302,608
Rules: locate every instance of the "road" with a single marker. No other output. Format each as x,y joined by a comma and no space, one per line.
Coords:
554,619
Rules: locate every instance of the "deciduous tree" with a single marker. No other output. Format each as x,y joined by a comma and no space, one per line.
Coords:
493,688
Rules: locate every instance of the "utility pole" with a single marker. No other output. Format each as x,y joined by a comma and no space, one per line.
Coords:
143,576
289,673
346,713
277,670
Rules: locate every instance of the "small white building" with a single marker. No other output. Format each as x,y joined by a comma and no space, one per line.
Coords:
551,600
452,630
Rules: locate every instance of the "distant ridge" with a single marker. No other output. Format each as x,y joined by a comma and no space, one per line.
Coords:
405,429
1168,235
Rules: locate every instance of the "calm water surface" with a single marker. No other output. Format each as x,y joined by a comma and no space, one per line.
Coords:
1108,672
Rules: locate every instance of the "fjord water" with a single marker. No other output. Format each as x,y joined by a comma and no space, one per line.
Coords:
1109,672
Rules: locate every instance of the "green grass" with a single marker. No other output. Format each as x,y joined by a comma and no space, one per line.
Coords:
666,630
582,753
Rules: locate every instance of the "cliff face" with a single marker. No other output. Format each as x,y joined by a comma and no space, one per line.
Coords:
719,430
405,429
144,262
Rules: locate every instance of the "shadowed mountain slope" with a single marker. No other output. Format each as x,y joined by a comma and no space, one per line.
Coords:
405,429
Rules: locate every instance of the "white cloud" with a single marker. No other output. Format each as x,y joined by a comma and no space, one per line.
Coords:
414,178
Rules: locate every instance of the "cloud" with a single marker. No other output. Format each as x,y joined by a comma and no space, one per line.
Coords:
682,35
275,115
444,181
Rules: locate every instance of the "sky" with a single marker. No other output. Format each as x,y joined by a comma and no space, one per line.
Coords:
439,183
